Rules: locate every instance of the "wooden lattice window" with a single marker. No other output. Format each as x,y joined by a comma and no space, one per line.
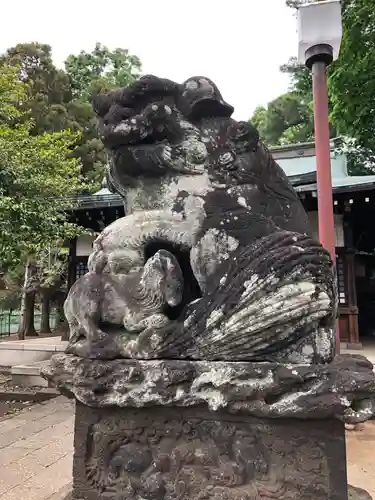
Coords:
341,281
81,268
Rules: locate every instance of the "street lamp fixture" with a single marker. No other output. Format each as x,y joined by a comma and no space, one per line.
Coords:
320,34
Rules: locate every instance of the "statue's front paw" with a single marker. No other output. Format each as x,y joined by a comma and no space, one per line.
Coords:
131,349
141,348
150,339
135,324
132,325
157,321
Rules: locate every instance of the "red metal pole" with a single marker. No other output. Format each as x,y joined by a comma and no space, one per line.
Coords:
323,165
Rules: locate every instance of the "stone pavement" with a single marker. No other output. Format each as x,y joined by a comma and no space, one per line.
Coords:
368,351
36,450
360,446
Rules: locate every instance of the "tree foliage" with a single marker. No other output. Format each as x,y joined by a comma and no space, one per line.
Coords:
289,119
47,88
101,70
11,288
351,84
300,79
352,78
90,73
59,100
37,174
351,92
48,140
286,120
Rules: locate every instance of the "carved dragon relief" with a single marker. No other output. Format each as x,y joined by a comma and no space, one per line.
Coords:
168,458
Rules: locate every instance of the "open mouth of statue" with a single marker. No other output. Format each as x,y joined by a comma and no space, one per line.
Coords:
152,142
131,134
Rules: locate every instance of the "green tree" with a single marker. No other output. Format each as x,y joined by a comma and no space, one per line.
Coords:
89,149
287,119
11,288
352,77
300,79
50,106
61,100
351,83
90,73
50,281
47,88
37,176
101,70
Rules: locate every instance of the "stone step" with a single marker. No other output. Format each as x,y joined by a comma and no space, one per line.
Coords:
28,375
26,352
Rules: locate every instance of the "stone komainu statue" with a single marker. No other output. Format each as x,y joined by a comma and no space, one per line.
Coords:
203,334
214,259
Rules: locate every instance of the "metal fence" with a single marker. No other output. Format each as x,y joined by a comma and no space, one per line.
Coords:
9,321
6,324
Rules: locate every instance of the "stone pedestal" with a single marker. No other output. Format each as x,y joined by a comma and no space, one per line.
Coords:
189,430
185,453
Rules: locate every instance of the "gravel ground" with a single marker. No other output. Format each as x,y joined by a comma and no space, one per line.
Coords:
11,407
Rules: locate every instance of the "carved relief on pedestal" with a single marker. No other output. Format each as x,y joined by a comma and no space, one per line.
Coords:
196,458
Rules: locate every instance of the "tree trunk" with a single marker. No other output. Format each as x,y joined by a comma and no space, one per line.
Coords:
64,329
61,322
26,326
59,313
44,323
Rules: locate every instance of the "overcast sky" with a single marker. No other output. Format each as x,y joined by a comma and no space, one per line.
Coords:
239,44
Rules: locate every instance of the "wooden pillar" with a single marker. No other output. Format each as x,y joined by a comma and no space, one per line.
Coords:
352,299
72,262
350,284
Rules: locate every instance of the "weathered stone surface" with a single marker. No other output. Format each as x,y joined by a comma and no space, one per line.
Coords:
187,454
238,277
203,337
357,493
344,389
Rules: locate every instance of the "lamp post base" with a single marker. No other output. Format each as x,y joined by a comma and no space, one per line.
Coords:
319,53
